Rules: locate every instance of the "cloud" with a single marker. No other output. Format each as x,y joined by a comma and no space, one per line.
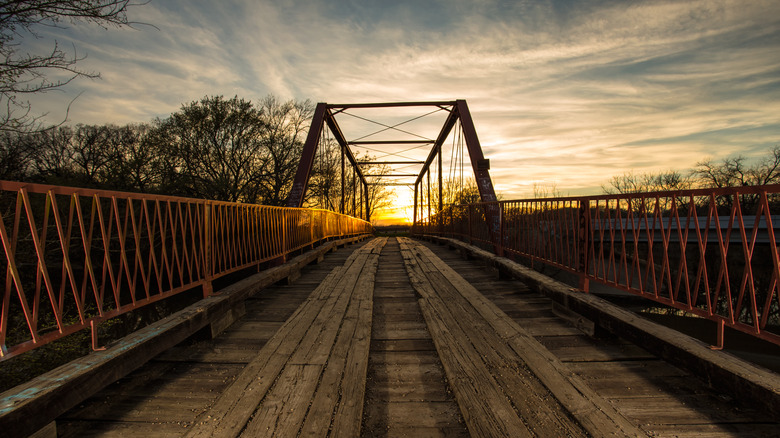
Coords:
562,91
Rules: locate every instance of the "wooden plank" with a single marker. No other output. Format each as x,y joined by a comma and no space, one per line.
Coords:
715,430
319,417
236,405
316,345
545,328
349,413
527,394
406,394
318,420
405,383
648,369
405,357
119,429
669,410
283,410
483,405
594,413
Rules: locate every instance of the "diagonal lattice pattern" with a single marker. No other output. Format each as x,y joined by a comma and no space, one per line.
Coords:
75,257
709,252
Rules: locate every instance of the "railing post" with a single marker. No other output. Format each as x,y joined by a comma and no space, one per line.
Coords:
452,223
500,248
583,243
284,236
208,249
471,239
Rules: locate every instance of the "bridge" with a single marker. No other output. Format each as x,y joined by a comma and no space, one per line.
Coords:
534,317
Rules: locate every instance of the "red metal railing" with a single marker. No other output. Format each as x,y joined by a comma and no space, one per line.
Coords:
74,257
710,252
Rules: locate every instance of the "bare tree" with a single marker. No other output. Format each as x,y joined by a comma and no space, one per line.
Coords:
16,157
629,182
215,149
286,124
736,171
379,196
542,190
23,73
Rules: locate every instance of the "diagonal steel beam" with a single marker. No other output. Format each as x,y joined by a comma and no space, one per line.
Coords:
478,162
301,181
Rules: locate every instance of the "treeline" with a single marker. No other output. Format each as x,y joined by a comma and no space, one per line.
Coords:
735,171
219,148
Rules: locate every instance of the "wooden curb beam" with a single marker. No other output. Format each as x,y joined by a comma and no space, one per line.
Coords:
34,405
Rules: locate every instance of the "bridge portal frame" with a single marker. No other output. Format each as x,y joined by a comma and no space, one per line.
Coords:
325,113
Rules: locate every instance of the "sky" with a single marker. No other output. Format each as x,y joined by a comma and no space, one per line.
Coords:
563,93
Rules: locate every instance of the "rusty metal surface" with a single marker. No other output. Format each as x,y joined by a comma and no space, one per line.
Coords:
74,257
710,252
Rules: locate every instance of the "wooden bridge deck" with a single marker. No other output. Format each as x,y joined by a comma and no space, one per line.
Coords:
403,338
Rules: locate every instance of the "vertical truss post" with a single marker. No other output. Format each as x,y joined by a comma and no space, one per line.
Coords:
428,196
441,199
414,213
368,212
301,181
354,192
441,188
343,171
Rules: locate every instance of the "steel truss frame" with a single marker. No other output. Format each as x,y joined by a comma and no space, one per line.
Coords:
325,113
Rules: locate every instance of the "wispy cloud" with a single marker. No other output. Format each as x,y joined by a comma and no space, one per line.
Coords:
561,91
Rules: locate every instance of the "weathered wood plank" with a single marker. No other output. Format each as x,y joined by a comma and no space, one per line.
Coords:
119,429
422,344
484,407
319,418
529,397
593,412
349,413
306,337
283,410
235,406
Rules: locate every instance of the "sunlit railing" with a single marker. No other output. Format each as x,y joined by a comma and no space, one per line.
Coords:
710,252
74,257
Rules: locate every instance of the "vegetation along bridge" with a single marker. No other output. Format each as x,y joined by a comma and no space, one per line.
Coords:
647,314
